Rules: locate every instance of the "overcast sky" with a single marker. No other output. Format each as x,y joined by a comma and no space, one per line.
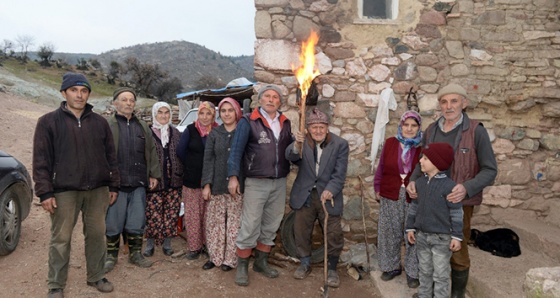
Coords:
225,26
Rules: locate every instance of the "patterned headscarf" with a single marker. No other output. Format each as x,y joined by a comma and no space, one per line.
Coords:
162,127
205,130
409,142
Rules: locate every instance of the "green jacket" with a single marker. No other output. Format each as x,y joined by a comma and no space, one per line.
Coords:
152,161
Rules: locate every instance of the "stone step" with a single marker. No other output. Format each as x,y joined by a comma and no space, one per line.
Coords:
492,276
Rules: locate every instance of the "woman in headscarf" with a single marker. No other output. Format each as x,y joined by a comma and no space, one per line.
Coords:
223,214
191,153
164,202
399,156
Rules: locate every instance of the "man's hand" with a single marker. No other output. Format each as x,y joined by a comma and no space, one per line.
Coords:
233,186
300,137
153,183
49,205
411,190
458,193
113,197
411,237
455,245
327,195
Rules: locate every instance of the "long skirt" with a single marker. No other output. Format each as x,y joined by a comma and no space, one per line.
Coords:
223,220
193,219
391,234
162,214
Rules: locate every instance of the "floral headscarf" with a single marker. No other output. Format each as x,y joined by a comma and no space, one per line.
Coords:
205,130
409,142
163,128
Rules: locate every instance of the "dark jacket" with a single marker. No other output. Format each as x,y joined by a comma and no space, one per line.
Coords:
171,166
152,162
331,175
73,154
263,154
191,153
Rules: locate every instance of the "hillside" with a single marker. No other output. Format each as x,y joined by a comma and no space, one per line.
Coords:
184,60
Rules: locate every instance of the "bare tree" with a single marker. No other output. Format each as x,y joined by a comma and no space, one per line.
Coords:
82,64
167,89
207,82
115,70
46,51
143,75
24,43
7,46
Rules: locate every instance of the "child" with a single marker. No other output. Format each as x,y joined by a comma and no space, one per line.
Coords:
434,224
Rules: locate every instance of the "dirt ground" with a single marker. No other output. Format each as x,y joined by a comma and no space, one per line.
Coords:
24,272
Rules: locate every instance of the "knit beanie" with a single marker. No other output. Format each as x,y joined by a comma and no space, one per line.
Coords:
440,154
452,89
70,79
270,87
121,90
316,116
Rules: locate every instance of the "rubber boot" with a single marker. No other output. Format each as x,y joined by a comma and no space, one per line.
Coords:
459,281
113,243
150,246
136,257
242,274
261,265
167,250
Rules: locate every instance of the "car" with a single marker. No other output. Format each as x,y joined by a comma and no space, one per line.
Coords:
16,196
191,117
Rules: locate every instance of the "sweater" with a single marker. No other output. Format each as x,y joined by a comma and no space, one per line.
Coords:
431,212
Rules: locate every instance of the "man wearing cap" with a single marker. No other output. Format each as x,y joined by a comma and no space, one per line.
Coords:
473,169
259,146
139,169
322,158
75,170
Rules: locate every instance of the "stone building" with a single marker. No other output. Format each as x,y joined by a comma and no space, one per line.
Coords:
506,53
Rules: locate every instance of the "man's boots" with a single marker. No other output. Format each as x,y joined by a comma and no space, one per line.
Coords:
135,257
261,265
242,275
459,281
112,252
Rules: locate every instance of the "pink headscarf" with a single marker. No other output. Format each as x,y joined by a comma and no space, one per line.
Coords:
235,105
205,130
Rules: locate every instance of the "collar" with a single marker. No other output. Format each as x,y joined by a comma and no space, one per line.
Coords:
257,114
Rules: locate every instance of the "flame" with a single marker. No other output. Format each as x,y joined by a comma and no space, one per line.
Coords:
307,71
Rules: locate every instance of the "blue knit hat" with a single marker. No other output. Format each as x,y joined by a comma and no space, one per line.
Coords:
70,79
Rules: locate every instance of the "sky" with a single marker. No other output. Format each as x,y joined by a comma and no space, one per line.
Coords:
224,26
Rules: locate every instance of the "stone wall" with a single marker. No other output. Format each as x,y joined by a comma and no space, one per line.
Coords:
506,53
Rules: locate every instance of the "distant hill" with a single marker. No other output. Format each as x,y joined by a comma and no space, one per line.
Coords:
184,60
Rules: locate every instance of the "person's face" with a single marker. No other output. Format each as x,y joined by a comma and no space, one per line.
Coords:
318,131
427,166
125,104
452,106
227,114
205,117
163,115
76,98
270,102
409,128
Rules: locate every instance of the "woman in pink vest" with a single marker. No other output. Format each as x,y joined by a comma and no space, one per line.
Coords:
398,159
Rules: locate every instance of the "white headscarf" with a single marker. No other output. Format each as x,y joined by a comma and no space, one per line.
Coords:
162,127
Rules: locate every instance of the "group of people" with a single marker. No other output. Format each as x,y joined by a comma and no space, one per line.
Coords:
428,184
129,178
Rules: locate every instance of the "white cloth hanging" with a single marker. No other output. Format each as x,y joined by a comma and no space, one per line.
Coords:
387,102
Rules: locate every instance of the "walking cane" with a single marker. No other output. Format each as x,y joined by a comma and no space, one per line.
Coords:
325,261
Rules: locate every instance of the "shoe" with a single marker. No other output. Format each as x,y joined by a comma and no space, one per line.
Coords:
110,263
148,252
226,268
102,285
55,293
193,255
168,251
208,265
332,279
137,259
386,276
302,271
412,283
